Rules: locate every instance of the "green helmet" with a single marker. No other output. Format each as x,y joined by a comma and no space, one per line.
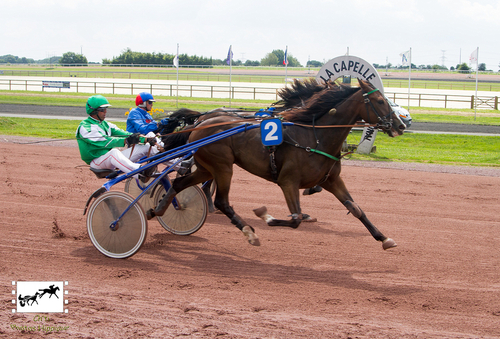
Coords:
96,101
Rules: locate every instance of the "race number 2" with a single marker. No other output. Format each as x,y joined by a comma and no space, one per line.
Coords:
271,131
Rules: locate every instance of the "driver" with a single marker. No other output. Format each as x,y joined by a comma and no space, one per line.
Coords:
98,139
139,120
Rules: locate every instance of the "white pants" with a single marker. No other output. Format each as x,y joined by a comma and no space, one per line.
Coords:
122,159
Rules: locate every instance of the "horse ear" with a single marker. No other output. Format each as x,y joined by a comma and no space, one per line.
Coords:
365,85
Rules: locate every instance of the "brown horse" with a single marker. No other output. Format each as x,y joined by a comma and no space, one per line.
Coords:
310,154
291,96
26,299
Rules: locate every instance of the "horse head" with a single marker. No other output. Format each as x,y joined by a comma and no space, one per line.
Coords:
180,119
352,103
379,112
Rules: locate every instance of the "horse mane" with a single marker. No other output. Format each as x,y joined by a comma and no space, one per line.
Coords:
296,94
320,103
302,102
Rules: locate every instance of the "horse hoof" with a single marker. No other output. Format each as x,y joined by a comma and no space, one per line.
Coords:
388,243
150,214
254,242
261,211
253,239
308,218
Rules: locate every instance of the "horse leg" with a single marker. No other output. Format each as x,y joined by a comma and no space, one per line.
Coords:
223,181
163,205
206,189
180,183
336,186
291,194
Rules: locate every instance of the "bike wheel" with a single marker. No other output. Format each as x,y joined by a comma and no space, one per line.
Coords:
131,230
132,188
191,213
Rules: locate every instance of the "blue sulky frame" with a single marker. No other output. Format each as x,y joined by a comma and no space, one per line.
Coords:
182,153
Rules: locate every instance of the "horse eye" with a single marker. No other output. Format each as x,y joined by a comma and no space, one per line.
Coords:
381,102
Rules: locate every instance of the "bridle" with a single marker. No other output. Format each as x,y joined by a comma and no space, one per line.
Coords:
384,123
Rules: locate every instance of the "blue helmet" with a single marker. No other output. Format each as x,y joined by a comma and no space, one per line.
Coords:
142,97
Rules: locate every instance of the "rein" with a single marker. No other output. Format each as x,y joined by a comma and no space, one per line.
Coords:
332,126
257,119
199,128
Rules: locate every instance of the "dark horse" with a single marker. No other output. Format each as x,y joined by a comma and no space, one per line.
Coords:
51,291
185,119
26,300
322,123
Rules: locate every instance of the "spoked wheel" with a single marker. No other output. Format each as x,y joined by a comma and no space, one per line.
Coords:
191,212
132,188
130,232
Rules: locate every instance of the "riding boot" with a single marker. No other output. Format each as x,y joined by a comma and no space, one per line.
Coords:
185,166
147,174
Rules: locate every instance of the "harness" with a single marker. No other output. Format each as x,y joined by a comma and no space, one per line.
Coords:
383,123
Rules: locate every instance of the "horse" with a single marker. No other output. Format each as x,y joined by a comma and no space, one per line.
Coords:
26,299
51,291
185,119
309,156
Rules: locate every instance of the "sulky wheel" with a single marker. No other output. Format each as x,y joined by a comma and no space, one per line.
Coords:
132,188
129,233
186,214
